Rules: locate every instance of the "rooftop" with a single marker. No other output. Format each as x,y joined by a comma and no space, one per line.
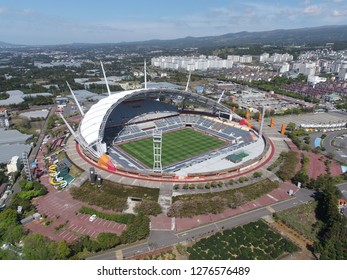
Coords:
36,114
83,95
17,96
9,150
12,137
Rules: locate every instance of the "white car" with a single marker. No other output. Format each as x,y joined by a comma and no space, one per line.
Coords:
92,218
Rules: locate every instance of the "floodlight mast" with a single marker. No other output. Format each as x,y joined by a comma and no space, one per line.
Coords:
145,70
220,97
74,97
68,126
262,123
187,86
103,71
157,151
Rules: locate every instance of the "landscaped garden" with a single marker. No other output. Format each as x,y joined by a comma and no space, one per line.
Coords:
111,195
253,241
216,202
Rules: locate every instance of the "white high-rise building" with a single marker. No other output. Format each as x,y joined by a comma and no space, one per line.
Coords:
264,57
191,63
307,69
343,72
275,58
285,67
246,59
233,58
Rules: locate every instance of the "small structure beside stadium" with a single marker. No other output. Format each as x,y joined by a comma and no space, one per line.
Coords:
237,157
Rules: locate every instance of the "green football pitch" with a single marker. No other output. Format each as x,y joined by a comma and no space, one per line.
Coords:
177,146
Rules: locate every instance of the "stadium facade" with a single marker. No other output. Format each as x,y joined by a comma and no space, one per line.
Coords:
115,131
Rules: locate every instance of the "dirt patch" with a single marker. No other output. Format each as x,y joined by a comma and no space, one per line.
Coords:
298,239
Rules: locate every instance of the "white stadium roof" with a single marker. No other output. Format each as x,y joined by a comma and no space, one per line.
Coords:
93,122
93,119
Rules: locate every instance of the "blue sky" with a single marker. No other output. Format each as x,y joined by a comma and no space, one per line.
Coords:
99,21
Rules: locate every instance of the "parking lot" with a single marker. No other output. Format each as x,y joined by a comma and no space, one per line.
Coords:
309,118
57,208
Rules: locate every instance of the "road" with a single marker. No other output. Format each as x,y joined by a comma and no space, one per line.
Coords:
343,188
35,150
159,239
327,143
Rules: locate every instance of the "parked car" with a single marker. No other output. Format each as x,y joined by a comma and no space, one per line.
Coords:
92,218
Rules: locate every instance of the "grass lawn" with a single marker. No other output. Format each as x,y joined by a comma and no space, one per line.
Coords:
303,218
177,146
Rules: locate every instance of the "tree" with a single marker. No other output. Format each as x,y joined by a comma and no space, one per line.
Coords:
8,217
108,240
257,174
137,230
10,229
63,250
291,126
39,247
301,177
51,122
242,179
3,177
14,234
335,230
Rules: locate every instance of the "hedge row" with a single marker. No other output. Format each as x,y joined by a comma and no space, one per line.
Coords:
118,218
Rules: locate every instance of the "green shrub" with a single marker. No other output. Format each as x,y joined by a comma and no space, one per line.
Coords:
148,207
138,229
257,174
108,240
118,218
288,169
243,179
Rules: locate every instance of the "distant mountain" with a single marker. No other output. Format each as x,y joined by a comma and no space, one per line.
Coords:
4,45
322,34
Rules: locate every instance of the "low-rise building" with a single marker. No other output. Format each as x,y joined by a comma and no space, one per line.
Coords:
14,164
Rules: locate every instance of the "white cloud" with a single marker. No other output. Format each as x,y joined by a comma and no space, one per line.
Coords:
340,13
3,10
313,10
25,11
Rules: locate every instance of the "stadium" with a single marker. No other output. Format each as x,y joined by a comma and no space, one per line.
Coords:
168,134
